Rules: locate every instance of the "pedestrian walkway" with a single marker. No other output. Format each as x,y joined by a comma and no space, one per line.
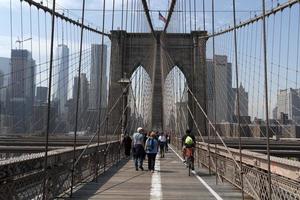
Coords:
170,181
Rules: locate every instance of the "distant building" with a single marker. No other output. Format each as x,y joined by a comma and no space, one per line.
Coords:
21,90
5,70
219,77
41,95
2,100
39,121
243,95
288,102
83,98
97,88
61,78
274,113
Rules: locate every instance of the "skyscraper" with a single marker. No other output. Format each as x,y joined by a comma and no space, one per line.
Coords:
243,101
41,94
21,89
5,76
219,77
288,102
61,77
98,89
83,98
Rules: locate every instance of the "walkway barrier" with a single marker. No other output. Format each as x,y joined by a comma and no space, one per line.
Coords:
22,177
285,172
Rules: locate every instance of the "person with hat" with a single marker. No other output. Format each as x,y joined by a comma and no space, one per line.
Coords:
138,148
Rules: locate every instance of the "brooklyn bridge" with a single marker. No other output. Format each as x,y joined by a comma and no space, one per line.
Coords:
78,77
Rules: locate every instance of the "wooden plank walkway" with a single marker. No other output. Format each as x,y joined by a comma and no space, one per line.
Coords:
170,181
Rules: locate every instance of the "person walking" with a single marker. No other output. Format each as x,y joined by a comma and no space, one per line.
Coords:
162,144
127,145
138,149
151,148
167,142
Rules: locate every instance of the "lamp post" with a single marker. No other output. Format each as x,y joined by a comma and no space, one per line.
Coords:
124,82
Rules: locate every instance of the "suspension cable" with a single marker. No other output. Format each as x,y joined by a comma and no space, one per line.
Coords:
49,105
266,98
238,96
78,95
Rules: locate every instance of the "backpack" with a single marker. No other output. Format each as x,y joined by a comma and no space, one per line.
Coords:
150,146
188,140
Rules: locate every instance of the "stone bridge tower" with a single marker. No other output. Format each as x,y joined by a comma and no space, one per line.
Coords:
158,56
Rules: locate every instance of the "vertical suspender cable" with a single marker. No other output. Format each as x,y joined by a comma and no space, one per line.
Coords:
266,98
100,98
195,15
113,15
184,16
21,20
214,78
126,19
78,96
39,46
23,71
49,105
138,95
272,56
131,22
237,95
122,13
11,29
32,87
279,52
297,55
203,6
134,6
287,59
190,12
178,17
11,33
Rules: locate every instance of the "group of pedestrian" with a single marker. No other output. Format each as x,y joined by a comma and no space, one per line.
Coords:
142,144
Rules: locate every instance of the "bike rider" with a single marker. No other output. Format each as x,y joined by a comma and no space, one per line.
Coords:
188,141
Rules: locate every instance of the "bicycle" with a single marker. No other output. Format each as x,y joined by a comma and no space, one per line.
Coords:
189,159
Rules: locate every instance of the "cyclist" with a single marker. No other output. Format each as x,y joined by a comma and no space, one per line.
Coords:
188,142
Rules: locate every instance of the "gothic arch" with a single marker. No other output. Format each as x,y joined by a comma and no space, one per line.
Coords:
159,56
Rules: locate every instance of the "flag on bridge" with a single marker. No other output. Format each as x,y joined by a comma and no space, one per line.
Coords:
162,18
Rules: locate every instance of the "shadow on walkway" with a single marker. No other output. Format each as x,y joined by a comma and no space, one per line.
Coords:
93,186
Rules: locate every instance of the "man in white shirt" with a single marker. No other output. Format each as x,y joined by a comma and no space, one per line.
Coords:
162,144
138,148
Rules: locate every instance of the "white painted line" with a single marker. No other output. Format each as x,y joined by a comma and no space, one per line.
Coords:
200,179
156,193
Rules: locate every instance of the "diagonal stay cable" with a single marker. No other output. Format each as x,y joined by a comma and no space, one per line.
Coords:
101,124
221,139
205,115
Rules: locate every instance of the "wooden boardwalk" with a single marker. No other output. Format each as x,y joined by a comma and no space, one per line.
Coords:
170,181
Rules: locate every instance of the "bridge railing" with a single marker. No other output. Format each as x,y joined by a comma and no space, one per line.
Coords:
285,173
22,178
